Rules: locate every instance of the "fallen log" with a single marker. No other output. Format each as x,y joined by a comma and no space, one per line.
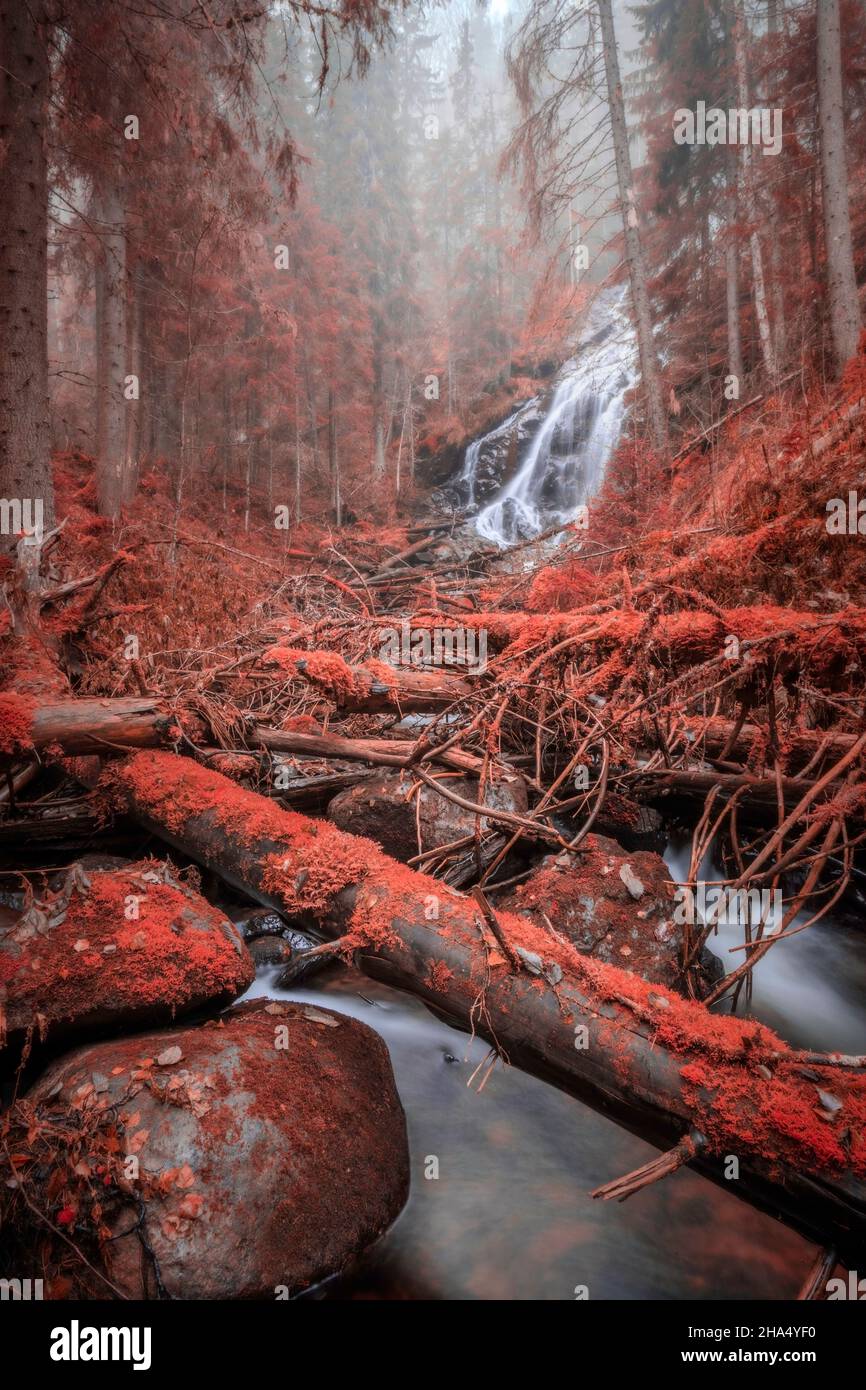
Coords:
680,638
374,685
723,736
416,548
88,726
763,791
662,1066
386,752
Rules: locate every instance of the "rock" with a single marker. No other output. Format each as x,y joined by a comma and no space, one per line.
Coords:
270,940
631,881
629,823
614,906
272,1152
384,809
270,950
258,921
116,949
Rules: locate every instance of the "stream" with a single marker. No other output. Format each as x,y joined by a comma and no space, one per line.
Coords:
510,1216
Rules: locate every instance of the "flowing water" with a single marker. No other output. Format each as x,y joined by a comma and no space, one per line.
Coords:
810,987
561,465
509,1215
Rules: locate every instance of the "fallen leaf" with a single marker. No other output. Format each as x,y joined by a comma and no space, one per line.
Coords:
315,1016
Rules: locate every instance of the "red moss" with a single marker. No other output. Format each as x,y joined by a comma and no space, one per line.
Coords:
556,589
16,723
95,961
152,779
301,724
381,673
439,977
688,632
327,669
318,862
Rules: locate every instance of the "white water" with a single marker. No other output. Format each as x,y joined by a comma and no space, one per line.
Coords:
470,462
510,1217
565,461
808,987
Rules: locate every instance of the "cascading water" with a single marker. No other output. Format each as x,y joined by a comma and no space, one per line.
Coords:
467,477
563,464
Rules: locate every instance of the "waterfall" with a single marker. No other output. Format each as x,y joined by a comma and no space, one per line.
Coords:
563,464
466,479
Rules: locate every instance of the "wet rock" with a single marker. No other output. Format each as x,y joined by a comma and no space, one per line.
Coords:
385,810
258,921
270,950
614,906
112,950
269,1151
633,826
270,941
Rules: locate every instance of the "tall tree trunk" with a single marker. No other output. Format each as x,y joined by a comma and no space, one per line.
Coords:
732,276
841,280
777,283
758,285
111,347
228,437
633,249
25,462
333,461
297,402
378,451
313,411
134,407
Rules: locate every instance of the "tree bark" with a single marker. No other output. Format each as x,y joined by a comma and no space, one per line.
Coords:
103,726
718,735
758,286
374,686
633,249
333,460
134,407
841,279
732,277
111,294
646,1057
777,274
25,462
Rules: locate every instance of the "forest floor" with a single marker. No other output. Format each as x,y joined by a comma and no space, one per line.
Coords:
699,650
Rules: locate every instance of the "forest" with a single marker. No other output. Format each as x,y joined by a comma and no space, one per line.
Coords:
432,654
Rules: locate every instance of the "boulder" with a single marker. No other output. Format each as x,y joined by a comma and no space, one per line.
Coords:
614,906
247,1158
112,950
386,810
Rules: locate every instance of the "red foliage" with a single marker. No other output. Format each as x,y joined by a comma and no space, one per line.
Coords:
16,723
558,588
